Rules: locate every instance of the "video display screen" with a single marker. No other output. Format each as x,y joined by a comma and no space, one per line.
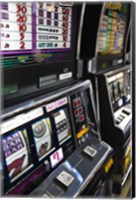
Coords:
34,32
62,125
43,137
63,131
112,28
119,88
17,153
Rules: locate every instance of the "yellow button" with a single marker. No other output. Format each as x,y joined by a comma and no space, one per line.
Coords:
81,133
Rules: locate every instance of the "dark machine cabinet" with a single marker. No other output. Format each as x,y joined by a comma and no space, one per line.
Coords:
116,121
105,59
30,72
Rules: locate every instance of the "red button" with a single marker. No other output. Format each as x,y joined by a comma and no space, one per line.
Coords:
75,103
81,118
76,113
79,102
80,110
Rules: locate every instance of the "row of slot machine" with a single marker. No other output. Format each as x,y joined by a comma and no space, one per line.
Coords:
50,139
110,73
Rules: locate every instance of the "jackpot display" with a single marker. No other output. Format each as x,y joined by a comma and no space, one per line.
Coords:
107,36
31,32
112,29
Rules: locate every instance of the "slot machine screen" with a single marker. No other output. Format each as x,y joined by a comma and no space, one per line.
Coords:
60,115
35,33
119,89
112,28
62,125
34,143
42,133
17,153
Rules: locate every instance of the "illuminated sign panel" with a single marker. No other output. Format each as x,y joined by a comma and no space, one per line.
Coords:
30,27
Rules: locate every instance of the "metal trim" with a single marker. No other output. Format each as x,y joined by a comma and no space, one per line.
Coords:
126,67
98,108
126,175
38,102
80,31
102,11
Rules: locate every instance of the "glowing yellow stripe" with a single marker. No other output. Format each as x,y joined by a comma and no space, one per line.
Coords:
81,133
108,165
127,151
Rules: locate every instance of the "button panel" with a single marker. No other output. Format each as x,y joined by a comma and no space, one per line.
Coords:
79,117
78,110
122,115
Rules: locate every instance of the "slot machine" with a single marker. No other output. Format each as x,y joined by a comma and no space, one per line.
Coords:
107,63
48,116
47,151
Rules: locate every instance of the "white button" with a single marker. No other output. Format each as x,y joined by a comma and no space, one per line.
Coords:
90,151
65,178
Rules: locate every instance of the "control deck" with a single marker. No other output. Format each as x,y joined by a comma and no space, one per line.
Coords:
73,175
